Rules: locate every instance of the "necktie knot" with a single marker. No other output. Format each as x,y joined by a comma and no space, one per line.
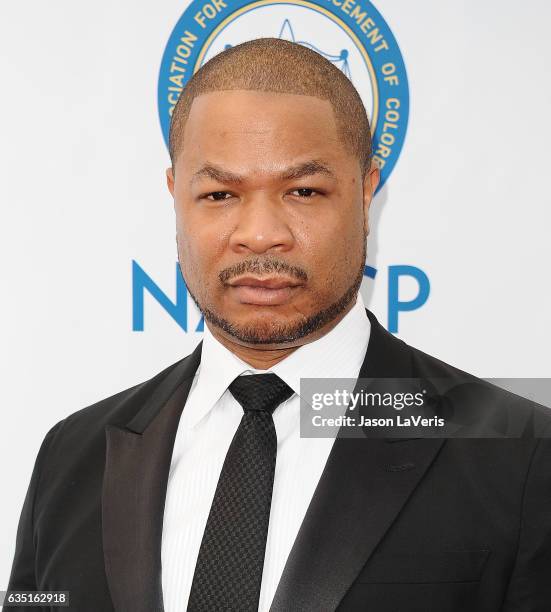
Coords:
262,392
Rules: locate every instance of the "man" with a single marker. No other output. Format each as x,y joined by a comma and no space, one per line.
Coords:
194,490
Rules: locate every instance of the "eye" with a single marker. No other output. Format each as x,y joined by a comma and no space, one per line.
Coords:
217,196
304,192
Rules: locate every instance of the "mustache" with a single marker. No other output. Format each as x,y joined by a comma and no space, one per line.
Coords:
262,266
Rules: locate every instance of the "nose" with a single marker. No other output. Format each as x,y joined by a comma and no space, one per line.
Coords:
261,226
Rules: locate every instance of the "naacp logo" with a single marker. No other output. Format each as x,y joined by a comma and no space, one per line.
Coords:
350,33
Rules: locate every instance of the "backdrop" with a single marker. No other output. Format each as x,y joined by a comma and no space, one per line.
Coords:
459,254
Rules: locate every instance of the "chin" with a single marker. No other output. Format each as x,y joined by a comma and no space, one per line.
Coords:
266,318
261,327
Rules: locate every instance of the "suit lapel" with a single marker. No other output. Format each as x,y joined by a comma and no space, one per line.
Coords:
137,465
363,487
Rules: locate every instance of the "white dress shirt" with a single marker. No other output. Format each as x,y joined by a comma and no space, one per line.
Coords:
208,423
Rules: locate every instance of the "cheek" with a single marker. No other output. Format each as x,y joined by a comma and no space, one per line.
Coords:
325,239
333,249
201,243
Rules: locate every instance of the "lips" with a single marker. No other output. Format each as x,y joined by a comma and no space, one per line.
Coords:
272,291
277,282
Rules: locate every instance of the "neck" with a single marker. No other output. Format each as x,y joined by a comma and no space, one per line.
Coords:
264,356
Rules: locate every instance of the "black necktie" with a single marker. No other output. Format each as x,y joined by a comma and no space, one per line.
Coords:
231,558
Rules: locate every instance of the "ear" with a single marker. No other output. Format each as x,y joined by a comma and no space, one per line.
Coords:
370,183
170,180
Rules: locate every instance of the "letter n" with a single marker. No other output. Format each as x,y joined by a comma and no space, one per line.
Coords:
142,282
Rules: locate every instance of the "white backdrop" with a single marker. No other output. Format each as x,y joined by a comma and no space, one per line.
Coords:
82,194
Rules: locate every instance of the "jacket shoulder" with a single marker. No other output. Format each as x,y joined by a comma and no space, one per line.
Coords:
118,408
482,399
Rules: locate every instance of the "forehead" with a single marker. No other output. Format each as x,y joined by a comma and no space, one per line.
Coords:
241,126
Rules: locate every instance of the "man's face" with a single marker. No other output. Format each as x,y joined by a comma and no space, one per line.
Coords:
271,215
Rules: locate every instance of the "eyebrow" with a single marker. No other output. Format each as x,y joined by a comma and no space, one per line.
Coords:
308,168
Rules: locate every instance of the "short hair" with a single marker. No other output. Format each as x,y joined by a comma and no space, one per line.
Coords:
280,66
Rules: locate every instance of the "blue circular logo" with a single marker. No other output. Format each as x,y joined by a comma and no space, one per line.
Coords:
351,34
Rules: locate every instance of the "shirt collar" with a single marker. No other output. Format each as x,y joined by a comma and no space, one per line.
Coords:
346,344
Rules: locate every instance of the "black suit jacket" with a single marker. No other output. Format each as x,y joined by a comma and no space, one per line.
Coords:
418,524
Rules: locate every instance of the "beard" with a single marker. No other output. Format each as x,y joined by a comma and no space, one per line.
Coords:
281,333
